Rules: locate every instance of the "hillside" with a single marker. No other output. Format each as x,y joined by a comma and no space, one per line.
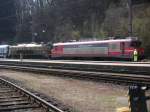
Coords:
116,22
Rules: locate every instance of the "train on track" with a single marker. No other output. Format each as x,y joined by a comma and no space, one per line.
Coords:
114,48
32,50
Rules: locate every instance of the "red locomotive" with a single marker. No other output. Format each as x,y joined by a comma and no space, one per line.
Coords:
117,48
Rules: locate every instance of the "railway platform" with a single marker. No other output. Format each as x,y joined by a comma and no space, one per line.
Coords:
98,66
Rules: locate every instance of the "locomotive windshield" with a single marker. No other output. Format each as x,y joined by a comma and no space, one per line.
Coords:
135,44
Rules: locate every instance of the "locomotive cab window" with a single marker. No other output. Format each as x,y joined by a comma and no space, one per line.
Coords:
135,44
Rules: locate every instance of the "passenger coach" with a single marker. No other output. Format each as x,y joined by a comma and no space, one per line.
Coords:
119,48
32,50
4,49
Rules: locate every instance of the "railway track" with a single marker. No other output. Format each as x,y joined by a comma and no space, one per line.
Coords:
113,67
130,79
16,99
114,72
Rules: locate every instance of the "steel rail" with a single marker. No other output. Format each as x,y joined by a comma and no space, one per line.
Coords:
49,107
101,67
116,77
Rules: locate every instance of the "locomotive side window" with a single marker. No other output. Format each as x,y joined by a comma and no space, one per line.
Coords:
114,47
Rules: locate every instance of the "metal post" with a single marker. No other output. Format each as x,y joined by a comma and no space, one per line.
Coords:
130,18
137,99
21,57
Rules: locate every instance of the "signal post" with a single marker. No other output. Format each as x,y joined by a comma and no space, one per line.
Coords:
138,99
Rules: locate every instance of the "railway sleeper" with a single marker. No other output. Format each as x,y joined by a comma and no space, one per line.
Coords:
14,103
18,107
12,100
4,97
16,99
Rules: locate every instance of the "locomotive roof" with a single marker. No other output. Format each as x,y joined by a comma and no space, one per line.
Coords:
28,45
93,42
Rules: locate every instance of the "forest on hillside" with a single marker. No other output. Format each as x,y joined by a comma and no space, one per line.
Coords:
7,20
64,20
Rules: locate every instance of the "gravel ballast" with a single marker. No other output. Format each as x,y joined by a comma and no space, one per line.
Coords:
82,96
